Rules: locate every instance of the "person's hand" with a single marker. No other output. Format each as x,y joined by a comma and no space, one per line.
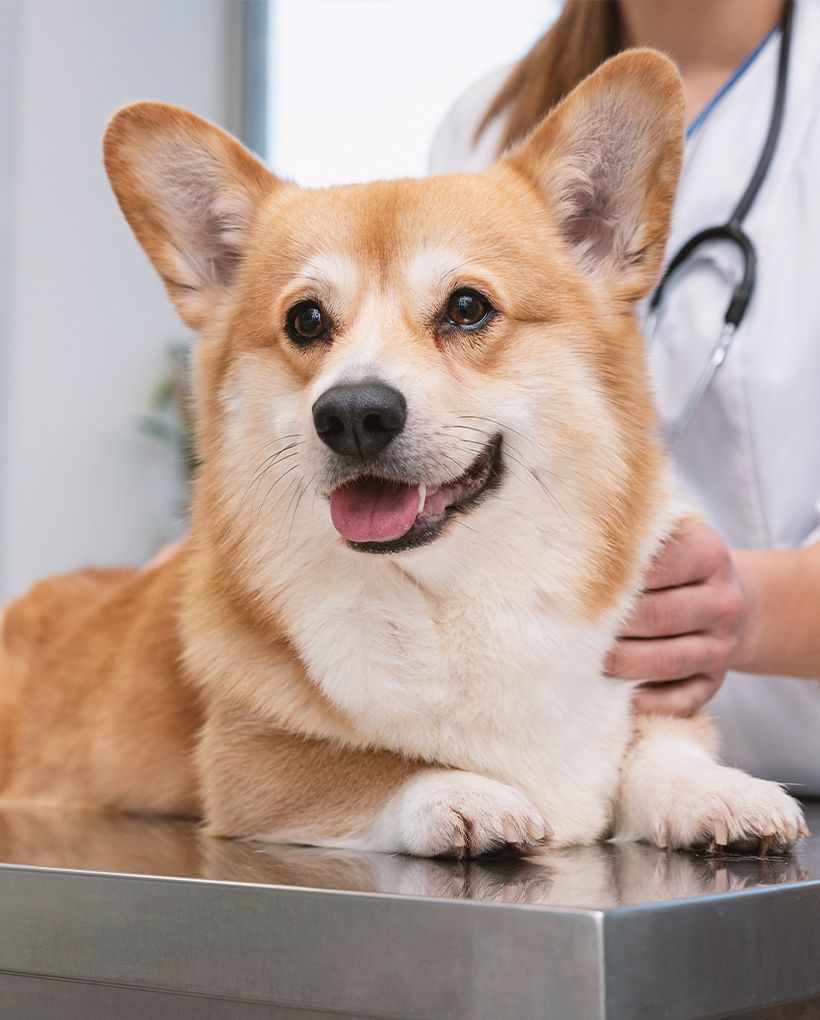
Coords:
166,553
685,627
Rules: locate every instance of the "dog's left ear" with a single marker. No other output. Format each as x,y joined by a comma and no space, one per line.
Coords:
607,160
190,193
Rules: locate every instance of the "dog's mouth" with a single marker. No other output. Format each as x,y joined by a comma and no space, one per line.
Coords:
384,515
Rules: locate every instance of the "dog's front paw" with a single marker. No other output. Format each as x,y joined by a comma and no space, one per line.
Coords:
458,814
724,810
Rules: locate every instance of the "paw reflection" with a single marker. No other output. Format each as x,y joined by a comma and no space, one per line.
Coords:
607,875
600,876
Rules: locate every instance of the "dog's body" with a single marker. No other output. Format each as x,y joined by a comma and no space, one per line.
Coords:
278,678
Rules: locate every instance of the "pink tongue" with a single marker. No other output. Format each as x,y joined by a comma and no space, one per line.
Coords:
372,510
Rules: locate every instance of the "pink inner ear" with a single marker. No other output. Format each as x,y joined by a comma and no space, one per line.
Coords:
592,230
594,202
606,160
210,224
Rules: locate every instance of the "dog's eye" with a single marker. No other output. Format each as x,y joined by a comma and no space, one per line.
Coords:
306,323
467,308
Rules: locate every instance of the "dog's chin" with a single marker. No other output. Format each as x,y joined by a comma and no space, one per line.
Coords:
468,491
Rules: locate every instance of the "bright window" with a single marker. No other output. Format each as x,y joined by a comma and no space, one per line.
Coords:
358,87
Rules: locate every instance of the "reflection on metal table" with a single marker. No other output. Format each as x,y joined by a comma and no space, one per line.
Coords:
134,917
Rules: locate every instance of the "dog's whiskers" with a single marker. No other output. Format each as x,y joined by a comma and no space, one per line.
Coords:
494,421
459,519
292,489
452,460
293,467
262,473
269,463
304,489
279,439
517,457
296,497
471,428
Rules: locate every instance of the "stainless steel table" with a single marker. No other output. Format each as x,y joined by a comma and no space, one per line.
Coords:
143,918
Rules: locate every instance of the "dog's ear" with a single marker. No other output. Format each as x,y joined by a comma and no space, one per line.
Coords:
607,160
189,192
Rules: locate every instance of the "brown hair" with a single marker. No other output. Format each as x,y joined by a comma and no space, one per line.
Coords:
586,33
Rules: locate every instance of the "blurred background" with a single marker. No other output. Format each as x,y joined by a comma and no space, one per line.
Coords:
92,460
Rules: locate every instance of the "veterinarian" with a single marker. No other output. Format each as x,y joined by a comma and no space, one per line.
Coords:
732,607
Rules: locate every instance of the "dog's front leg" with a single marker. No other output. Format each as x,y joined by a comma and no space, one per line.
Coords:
272,785
675,794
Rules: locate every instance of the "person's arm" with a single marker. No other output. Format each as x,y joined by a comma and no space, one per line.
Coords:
781,634
706,610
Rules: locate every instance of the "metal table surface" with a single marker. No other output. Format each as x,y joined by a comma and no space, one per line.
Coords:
131,917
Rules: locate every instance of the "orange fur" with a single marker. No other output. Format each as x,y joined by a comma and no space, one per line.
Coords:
94,666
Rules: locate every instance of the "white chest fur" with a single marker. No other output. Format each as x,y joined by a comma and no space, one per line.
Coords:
494,678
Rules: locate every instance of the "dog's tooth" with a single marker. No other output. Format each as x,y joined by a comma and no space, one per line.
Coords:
422,495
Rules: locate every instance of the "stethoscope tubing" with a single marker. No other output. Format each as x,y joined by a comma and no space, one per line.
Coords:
731,232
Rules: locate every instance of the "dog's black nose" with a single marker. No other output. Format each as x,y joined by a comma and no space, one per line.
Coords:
360,419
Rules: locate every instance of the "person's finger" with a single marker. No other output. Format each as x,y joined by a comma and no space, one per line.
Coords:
692,555
679,697
672,612
665,658
166,553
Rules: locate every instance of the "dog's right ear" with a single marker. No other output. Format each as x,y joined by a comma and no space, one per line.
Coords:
189,192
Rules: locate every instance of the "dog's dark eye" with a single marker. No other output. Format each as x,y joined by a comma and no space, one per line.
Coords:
306,323
467,308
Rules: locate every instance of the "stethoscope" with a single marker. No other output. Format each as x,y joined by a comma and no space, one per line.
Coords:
733,233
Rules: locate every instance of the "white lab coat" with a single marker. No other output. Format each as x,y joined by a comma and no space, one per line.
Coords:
750,459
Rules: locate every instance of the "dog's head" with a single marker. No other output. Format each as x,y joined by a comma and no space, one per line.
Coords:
421,367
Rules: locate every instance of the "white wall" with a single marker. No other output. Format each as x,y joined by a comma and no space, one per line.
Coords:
85,321
357,87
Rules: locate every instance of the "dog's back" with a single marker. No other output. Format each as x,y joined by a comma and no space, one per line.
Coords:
93,709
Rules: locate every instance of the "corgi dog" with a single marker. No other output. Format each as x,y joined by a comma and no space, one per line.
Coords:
429,490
